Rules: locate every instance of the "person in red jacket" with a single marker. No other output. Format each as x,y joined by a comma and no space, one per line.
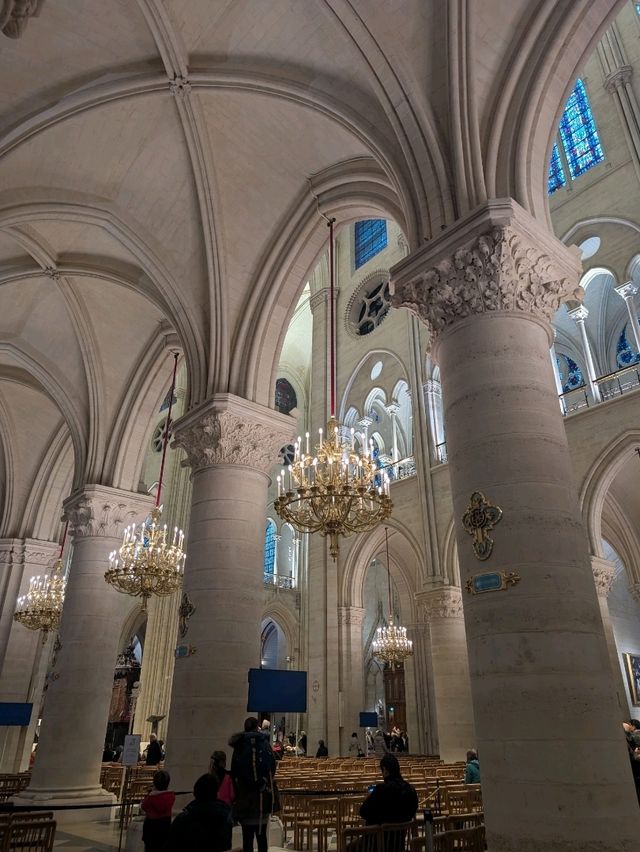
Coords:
157,805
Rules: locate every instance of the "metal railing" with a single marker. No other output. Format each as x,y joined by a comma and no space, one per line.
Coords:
401,469
278,580
620,382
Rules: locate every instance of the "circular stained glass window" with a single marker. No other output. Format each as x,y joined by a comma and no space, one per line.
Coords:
156,439
370,307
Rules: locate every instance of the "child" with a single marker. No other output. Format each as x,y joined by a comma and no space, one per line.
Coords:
157,805
226,792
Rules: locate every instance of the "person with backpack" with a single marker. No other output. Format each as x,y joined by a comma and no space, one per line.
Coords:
253,767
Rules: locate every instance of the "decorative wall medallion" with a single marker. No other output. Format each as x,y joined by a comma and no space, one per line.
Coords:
479,519
493,581
183,651
186,610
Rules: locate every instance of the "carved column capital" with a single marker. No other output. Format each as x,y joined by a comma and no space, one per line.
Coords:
319,298
229,430
498,259
15,14
603,574
627,290
634,590
351,615
618,78
97,511
37,552
442,602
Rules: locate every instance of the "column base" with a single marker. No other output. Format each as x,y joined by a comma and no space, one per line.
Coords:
82,798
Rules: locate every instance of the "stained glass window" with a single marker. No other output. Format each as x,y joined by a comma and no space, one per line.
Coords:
370,238
625,354
579,133
373,308
570,373
637,5
286,399
556,177
270,547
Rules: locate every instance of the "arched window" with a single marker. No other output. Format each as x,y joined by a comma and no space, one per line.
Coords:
580,140
570,373
625,354
579,134
556,177
286,399
270,547
370,238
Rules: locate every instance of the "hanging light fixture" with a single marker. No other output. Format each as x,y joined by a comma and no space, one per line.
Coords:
391,644
335,490
41,607
151,559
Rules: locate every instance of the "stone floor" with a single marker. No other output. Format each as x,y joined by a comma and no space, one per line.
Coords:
88,837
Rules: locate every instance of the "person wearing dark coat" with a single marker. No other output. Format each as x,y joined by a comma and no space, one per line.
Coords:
254,797
323,751
205,824
395,800
154,751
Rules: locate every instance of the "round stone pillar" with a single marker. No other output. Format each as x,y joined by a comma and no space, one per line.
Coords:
67,766
231,445
442,609
555,770
350,619
603,574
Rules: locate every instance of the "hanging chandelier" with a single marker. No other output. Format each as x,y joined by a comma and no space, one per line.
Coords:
336,490
151,559
41,607
391,644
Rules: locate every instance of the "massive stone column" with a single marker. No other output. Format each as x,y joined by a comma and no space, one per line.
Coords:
603,574
67,767
442,608
231,446
25,654
555,771
350,619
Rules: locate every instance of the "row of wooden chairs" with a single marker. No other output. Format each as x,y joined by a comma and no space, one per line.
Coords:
11,785
27,831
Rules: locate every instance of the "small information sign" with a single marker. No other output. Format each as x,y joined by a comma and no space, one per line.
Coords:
131,751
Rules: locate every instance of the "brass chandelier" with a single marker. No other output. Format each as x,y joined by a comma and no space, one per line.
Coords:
151,558
336,490
391,644
41,607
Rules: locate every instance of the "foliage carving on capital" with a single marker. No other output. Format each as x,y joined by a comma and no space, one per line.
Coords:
15,14
499,271
634,590
603,574
352,615
97,516
444,602
224,437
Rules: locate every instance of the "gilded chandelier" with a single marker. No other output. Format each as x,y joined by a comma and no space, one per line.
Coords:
41,607
337,490
151,558
333,491
391,644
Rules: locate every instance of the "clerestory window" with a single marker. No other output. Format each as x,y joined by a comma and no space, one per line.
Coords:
370,239
581,144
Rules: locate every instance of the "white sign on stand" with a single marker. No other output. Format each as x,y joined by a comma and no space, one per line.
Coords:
131,751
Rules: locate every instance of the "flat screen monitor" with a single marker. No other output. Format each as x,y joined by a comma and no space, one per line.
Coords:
15,714
368,720
277,691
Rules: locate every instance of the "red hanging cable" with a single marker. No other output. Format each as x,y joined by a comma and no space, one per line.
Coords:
165,437
332,322
64,538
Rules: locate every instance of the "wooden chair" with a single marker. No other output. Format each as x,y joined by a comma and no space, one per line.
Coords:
35,836
323,819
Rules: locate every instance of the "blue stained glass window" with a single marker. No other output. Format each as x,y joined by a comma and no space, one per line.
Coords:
556,177
579,134
625,354
570,373
270,547
637,8
370,238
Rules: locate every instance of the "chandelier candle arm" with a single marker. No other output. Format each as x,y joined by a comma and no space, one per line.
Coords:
150,560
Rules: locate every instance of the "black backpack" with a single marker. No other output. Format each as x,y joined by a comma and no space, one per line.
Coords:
253,762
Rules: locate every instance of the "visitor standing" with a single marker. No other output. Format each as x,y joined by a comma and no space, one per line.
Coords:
354,746
156,806
253,766
218,767
322,751
379,744
472,768
205,824
154,751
